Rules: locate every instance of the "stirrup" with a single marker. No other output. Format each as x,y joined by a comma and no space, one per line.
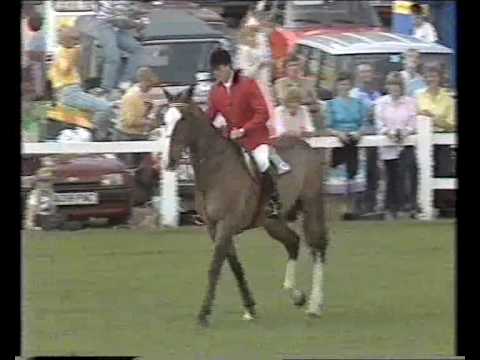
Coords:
280,165
283,168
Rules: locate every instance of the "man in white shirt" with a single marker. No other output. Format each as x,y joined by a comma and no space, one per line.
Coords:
423,29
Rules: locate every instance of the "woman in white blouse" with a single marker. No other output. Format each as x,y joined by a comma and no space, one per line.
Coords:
395,117
255,60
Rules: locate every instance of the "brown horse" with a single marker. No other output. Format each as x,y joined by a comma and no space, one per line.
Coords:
231,200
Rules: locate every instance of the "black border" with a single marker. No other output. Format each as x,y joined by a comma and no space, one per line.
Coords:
11,140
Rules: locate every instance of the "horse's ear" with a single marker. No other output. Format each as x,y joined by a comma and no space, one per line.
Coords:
190,91
167,95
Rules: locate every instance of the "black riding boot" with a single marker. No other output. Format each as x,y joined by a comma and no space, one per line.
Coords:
274,206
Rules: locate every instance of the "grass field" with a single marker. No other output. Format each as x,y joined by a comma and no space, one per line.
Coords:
389,291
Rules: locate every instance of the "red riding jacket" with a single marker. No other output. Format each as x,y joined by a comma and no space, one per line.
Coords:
242,107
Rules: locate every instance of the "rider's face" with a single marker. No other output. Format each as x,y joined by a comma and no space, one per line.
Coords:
222,73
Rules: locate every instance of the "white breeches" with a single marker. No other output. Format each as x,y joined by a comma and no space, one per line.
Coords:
261,156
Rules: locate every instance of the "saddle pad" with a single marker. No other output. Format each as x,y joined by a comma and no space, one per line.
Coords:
71,116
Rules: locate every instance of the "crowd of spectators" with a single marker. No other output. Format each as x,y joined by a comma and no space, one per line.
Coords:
297,106
355,108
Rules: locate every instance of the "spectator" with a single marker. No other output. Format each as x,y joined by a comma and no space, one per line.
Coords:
306,86
35,48
423,29
322,93
254,60
366,92
395,116
115,19
437,103
346,119
414,82
135,122
253,55
293,119
67,85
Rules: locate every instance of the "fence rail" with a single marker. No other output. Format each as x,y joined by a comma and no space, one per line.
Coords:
423,141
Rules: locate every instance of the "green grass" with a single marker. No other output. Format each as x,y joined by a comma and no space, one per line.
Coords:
389,291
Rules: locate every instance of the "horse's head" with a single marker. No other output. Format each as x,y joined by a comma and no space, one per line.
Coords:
178,124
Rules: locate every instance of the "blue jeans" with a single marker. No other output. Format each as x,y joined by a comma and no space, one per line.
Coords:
112,41
75,97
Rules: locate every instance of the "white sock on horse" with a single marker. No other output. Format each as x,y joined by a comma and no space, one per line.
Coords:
289,282
316,297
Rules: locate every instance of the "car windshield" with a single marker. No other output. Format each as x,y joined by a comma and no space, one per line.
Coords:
328,12
78,5
174,63
385,63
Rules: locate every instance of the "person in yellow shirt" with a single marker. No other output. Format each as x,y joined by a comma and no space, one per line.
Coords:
136,106
136,120
436,102
66,82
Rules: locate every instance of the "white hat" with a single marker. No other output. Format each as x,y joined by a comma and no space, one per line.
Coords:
252,22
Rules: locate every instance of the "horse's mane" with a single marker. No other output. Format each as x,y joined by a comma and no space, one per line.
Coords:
205,130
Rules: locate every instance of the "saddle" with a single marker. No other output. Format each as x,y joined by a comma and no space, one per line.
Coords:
72,116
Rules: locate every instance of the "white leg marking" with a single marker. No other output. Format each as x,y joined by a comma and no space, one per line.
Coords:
289,282
316,297
247,316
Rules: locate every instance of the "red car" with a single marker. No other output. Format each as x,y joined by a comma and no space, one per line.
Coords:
90,186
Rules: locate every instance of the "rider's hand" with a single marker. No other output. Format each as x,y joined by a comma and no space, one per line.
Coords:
236,133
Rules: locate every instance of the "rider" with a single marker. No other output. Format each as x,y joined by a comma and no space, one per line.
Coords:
66,82
240,102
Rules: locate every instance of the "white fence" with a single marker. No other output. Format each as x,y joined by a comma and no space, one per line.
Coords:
424,141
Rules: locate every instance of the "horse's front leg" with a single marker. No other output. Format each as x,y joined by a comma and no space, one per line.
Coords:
237,269
222,243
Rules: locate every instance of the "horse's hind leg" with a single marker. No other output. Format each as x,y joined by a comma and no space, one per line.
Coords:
237,269
316,236
222,244
279,230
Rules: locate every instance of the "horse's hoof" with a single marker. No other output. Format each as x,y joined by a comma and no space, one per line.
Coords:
203,321
314,314
298,297
248,316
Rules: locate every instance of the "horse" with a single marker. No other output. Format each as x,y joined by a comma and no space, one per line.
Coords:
231,200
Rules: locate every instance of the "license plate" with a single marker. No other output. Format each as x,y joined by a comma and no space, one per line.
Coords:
87,198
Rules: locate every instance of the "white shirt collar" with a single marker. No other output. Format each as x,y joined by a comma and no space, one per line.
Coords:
400,100
228,84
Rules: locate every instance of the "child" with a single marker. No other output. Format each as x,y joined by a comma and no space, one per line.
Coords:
293,119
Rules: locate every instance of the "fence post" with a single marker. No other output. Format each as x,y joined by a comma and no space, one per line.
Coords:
425,166
168,189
